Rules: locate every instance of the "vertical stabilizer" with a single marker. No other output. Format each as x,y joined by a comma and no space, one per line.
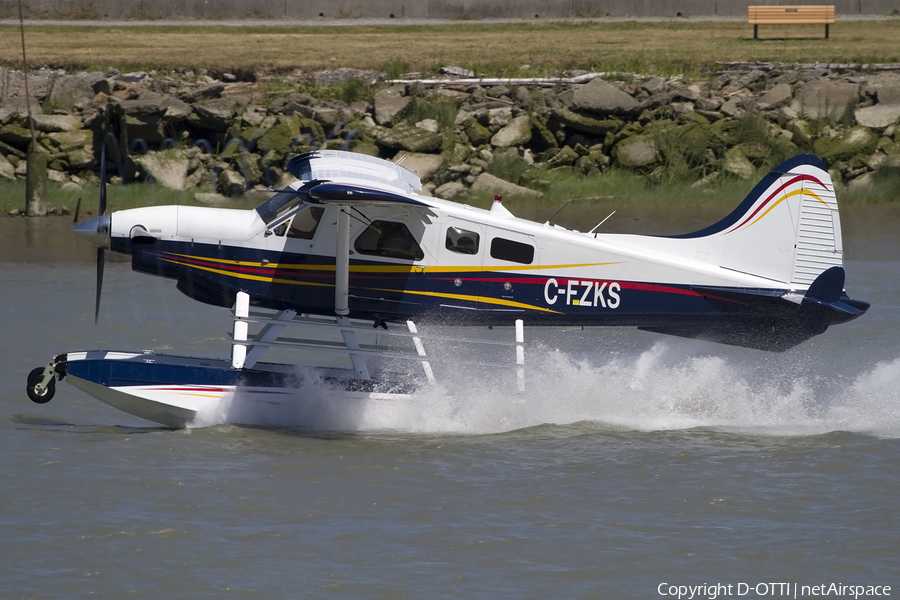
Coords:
787,229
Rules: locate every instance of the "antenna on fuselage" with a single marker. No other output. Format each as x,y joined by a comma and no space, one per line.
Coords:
601,223
557,212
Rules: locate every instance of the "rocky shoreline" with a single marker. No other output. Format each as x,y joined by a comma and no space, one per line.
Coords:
223,134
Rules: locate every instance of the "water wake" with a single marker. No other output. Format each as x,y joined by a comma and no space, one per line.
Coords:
664,387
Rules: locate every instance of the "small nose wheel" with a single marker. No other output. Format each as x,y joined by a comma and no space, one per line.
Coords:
41,385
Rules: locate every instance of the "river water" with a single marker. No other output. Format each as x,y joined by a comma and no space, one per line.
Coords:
633,463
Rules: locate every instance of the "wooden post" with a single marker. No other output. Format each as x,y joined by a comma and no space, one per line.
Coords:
35,182
36,161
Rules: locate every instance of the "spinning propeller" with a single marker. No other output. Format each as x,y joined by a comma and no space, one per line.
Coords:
101,251
96,231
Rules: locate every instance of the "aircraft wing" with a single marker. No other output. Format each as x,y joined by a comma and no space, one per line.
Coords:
343,193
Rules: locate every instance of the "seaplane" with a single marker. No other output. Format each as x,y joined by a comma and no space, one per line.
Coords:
354,245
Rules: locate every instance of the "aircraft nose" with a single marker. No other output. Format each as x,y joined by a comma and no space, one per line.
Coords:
95,231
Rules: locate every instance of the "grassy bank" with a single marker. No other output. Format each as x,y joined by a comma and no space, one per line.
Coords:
615,189
510,50
495,50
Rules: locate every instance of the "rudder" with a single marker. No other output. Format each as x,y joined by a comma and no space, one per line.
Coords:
787,229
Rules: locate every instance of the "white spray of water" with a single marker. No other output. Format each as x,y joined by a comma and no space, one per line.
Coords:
664,387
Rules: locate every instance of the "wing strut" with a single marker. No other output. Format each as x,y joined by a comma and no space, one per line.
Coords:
342,291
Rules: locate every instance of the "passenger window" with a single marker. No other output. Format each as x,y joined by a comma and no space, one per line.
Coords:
512,251
389,239
305,223
462,241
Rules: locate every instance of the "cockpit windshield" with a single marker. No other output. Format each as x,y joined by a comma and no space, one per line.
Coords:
277,206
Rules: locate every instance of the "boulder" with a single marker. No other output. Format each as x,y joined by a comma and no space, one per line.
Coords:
141,117
825,99
803,132
168,168
147,104
580,122
654,85
70,90
7,170
888,91
16,108
636,151
601,97
732,108
56,176
737,164
450,190
331,114
294,104
67,141
50,123
407,137
565,157
80,158
862,183
878,116
213,116
516,133
16,136
498,118
744,81
780,95
204,92
230,183
489,183
390,104
476,132
857,140
429,125
423,165
133,77
683,109
175,109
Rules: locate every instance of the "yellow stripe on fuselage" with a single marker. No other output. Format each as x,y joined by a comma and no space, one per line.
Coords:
264,278
481,299
377,268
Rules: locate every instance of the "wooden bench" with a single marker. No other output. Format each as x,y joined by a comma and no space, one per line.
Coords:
808,14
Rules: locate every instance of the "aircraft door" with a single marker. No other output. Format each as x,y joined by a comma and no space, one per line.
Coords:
460,252
389,255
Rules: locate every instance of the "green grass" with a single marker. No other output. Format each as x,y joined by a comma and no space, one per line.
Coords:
625,187
119,197
495,50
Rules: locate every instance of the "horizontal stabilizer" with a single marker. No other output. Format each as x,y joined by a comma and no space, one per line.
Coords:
826,294
827,287
824,304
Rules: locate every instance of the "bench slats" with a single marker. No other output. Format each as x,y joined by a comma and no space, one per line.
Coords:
790,15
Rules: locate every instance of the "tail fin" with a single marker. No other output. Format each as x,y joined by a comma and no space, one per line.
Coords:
787,229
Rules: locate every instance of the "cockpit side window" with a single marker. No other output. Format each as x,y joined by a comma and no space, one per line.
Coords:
462,241
389,239
305,223
512,251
